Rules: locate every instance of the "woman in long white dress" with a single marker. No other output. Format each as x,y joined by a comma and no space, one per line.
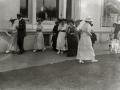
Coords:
61,41
39,42
12,45
85,49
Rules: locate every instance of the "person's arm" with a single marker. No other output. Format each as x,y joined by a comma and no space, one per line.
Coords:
89,30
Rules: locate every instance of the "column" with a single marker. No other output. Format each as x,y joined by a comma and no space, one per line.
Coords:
62,8
76,4
29,10
77,9
34,13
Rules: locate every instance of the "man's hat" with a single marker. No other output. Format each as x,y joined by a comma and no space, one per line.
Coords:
19,14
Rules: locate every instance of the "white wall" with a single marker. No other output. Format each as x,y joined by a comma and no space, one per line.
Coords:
92,8
8,9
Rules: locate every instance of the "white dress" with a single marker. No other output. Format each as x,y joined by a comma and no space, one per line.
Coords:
61,41
85,49
119,42
12,45
39,40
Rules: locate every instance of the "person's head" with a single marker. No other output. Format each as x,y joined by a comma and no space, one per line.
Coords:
39,21
19,16
63,22
71,22
77,22
88,19
114,24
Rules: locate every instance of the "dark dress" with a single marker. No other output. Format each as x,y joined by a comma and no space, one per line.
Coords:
117,29
93,38
72,38
54,38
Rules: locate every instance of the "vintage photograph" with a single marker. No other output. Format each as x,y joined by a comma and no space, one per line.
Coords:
59,44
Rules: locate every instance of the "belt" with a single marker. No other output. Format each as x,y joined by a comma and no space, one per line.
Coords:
62,31
39,30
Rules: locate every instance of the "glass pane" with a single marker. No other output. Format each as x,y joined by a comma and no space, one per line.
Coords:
24,8
47,9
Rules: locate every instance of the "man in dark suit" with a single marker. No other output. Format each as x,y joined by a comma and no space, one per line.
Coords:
21,28
55,35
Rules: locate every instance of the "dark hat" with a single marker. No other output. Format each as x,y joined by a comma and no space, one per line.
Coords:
78,20
19,14
39,19
12,20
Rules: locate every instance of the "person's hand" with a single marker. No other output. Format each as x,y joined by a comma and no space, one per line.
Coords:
72,34
16,27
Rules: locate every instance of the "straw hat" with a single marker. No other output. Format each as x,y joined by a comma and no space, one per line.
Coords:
118,22
89,18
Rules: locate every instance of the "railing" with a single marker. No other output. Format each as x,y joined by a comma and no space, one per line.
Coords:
107,21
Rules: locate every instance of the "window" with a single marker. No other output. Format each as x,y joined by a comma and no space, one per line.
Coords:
47,9
24,8
111,12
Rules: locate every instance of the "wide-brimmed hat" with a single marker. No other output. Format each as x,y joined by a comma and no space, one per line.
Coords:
89,18
117,22
78,20
12,19
19,14
39,19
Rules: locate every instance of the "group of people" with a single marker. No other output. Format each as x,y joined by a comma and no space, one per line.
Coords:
114,38
68,35
18,33
76,39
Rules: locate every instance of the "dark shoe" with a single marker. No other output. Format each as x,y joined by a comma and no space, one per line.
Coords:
67,55
20,53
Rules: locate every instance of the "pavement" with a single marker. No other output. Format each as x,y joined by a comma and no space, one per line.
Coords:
49,71
29,59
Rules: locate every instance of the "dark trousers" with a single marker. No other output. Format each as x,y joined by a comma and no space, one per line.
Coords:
20,42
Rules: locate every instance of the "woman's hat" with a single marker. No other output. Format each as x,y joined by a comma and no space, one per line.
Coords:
118,22
89,18
12,20
78,20
39,19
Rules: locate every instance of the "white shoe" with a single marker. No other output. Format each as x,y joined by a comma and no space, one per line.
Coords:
61,52
34,50
58,52
93,61
7,51
44,49
80,61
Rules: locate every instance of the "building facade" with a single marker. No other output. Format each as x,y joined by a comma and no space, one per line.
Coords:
74,9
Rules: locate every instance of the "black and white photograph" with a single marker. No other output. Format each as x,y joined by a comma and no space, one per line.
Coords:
59,44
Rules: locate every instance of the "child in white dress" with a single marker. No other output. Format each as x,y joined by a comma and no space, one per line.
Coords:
12,45
39,42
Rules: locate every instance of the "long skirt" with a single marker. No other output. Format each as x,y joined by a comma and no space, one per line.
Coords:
12,46
61,41
72,45
85,49
39,41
